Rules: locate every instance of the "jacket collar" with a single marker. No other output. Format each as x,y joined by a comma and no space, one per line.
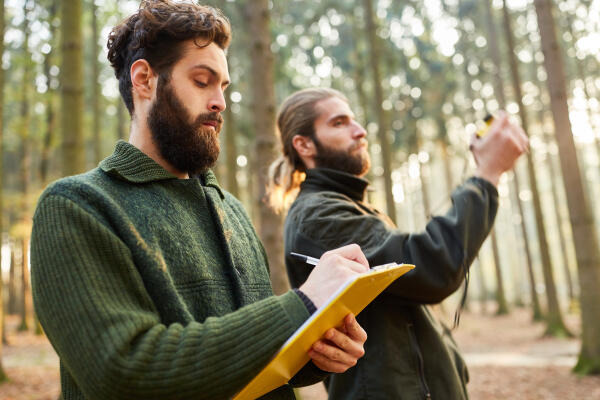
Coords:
131,164
318,179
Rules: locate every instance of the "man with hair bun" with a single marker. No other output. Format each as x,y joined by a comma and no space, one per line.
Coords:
409,355
148,278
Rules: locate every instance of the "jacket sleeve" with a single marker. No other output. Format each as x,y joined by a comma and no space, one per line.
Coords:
440,253
95,310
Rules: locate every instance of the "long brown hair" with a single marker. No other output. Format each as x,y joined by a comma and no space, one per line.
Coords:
297,116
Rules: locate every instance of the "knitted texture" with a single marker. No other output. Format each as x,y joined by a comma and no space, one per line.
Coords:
149,286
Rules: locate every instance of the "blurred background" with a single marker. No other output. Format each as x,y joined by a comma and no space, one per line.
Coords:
420,76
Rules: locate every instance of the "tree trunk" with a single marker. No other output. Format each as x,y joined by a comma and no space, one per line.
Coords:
500,296
231,152
26,300
2,333
423,179
554,320
386,156
482,286
554,176
25,170
494,54
12,282
97,142
50,112
122,131
71,73
263,91
582,220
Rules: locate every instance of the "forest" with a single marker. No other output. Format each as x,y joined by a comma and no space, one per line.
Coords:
420,77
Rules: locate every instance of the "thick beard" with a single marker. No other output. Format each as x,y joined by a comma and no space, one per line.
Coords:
188,147
342,160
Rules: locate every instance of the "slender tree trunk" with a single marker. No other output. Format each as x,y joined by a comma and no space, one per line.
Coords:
2,331
12,282
231,152
50,112
386,156
554,320
482,287
449,179
582,220
27,303
71,74
271,224
500,297
359,76
97,142
122,131
535,302
423,178
494,54
554,176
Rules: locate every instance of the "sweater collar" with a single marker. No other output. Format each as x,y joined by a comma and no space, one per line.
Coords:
133,165
338,181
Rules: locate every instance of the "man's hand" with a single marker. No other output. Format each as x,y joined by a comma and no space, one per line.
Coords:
497,151
333,270
340,348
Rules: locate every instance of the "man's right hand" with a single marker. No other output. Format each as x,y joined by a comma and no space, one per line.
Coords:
333,270
497,151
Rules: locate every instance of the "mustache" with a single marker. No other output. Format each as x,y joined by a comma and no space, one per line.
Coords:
209,117
360,143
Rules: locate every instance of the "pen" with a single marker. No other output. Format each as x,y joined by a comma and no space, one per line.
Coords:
306,259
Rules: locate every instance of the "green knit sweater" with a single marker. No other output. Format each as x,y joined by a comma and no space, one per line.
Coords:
149,286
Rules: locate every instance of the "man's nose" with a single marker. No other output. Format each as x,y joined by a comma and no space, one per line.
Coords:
217,102
359,132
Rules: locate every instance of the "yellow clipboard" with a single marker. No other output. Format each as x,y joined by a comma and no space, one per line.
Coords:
352,297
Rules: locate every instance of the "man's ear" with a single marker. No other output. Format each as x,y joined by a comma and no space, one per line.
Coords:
143,79
304,146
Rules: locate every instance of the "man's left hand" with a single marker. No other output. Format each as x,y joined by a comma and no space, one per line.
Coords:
340,348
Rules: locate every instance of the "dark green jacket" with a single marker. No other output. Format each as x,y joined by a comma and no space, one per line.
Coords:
153,287
408,354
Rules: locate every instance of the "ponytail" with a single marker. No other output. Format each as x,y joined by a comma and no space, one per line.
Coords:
297,116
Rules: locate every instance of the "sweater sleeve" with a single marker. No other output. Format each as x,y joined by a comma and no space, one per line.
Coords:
449,242
93,306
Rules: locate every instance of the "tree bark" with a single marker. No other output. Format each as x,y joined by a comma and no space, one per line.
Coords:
231,152
554,320
494,54
2,333
97,142
482,287
554,176
500,296
71,73
383,126
12,282
582,220
50,111
263,91
26,300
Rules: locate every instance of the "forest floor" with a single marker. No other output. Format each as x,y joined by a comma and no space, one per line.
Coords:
508,358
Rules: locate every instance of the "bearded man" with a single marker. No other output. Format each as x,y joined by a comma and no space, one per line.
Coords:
148,278
409,355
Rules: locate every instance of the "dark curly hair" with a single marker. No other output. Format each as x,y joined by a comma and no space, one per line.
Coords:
156,33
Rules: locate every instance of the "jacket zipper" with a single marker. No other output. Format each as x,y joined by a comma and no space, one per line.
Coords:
420,363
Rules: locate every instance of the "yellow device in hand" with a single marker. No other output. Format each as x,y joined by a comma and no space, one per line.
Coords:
488,121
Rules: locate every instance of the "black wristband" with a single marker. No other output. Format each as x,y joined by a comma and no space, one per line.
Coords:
310,306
